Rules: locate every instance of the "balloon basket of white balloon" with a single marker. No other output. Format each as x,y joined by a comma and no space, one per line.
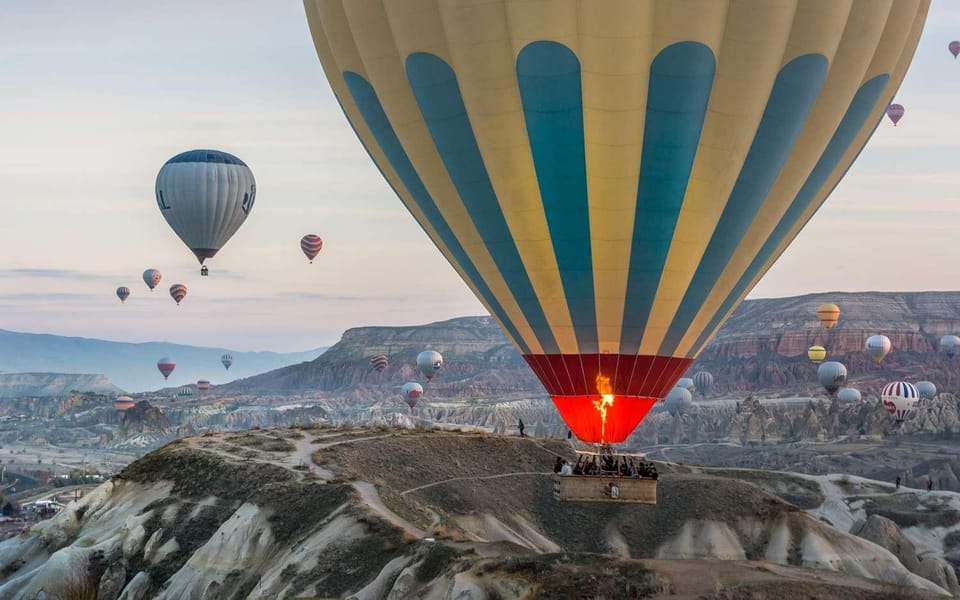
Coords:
204,271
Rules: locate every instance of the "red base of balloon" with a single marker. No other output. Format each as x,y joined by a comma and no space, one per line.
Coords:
631,384
603,419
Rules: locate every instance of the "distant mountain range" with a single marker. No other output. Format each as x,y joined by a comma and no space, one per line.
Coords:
133,367
762,347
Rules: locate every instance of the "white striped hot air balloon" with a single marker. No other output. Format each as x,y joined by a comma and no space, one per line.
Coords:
899,398
311,245
612,178
226,360
123,292
205,196
703,380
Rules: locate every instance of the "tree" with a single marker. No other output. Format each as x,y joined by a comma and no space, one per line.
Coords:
7,510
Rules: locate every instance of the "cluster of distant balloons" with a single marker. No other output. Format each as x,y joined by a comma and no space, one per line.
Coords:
898,397
429,362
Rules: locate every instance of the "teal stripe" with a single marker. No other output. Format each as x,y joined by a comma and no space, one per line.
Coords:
850,126
373,114
793,95
548,74
435,87
681,78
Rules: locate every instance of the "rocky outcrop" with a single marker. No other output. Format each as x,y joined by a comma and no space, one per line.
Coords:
885,533
43,385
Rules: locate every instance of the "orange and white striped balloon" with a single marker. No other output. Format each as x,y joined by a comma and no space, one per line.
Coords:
178,292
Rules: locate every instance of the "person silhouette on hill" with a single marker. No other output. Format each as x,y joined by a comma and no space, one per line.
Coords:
520,427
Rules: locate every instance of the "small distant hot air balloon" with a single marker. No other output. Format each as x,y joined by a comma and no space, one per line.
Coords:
832,375
178,292
899,398
949,344
227,360
205,196
816,354
203,385
828,315
379,362
687,384
878,346
123,404
123,293
166,366
185,391
954,48
412,392
311,245
704,381
849,395
429,362
895,112
679,400
151,277
927,390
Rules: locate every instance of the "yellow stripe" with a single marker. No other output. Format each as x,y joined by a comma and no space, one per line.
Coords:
747,65
376,34
863,31
900,36
486,72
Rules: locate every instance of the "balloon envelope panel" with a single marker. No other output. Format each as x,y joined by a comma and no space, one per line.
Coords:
612,179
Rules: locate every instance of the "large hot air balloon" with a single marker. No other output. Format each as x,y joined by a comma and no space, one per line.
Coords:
816,354
828,314
429,362
612,179
899,398
412,392
178,292
379,362
832,375
205,195
878,346
166,366
678,400
311,245
687,384
151,277
954,48
226,360
703,380
123,293
895,112
927,390
949,344
849,395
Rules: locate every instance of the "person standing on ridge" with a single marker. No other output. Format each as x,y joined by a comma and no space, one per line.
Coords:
520,426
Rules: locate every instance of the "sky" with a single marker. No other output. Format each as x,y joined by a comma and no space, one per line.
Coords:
95,96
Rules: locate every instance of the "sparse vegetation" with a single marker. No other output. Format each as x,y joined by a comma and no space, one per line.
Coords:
265,442
438,557
298,507
562,576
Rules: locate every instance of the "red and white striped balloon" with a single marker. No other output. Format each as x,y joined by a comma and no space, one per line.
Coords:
166,366
311,245
178,292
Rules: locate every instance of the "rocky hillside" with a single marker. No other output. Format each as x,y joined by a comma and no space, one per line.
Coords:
41,385
367,514
761,348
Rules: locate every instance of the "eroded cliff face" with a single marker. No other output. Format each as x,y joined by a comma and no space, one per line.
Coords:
761,347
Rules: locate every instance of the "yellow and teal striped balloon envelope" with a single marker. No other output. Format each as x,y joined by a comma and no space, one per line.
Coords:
612,177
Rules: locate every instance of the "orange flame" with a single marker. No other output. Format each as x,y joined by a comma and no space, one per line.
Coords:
605,402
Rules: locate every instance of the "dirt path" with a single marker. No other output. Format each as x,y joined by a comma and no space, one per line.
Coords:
370,497
474,478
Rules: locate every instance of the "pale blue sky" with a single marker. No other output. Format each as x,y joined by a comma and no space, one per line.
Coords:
96,95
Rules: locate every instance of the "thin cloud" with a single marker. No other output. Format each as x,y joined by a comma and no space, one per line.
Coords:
55,274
